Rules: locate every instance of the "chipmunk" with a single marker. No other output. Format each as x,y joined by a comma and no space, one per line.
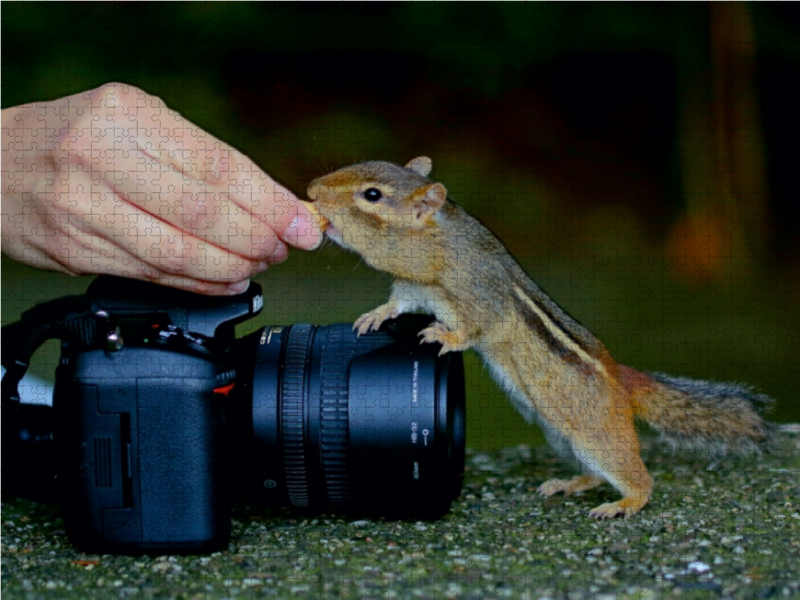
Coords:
556,372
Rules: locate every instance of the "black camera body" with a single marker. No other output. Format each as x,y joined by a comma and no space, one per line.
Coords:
145,457
161,418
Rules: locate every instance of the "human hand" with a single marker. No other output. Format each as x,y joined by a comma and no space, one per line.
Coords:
112,181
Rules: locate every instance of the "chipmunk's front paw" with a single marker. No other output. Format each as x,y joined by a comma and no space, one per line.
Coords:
373,320
451,341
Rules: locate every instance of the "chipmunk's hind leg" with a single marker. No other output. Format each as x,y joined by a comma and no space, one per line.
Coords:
613,453
562,447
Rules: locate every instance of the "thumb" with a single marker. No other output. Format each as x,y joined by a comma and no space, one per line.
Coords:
296,225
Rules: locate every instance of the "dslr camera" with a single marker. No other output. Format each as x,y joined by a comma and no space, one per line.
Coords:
161,417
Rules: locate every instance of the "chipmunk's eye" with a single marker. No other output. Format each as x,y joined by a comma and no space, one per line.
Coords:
372,194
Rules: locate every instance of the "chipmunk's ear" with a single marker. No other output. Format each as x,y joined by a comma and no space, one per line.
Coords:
425,202
421,165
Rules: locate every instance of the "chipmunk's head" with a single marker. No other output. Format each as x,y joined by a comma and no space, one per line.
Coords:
366,203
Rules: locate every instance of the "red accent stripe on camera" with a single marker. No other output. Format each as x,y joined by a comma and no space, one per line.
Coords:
225,389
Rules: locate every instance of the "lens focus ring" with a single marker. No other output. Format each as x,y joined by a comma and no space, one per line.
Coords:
292,418
338,352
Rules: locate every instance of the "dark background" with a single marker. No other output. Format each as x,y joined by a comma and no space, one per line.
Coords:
635,158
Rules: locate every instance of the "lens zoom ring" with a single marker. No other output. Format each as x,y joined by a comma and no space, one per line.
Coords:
338,352
292,419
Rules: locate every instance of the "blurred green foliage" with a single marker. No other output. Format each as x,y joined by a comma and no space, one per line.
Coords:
483,46
581,184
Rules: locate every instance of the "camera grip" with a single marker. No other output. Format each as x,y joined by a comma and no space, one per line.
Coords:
143,461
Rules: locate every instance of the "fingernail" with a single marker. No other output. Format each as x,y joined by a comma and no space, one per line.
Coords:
239,286
280,253
303,232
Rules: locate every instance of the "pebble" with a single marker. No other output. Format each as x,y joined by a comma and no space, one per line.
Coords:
502,543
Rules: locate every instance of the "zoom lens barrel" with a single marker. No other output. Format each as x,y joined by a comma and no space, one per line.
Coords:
329,420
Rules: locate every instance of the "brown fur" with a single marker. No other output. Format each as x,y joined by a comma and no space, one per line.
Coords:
447,263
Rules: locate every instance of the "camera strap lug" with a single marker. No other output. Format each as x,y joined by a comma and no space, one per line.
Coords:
69,319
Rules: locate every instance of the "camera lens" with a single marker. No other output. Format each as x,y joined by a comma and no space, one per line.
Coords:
324,419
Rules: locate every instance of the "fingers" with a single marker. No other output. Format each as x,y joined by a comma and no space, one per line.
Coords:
64,228
86,255
292,221
153,241
126,186
188,205
218,191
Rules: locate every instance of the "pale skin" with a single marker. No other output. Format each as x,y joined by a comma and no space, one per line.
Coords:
112,181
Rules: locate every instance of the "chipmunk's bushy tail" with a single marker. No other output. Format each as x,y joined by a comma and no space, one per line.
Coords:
716,418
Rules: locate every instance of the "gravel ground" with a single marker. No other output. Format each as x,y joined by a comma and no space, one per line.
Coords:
728,529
